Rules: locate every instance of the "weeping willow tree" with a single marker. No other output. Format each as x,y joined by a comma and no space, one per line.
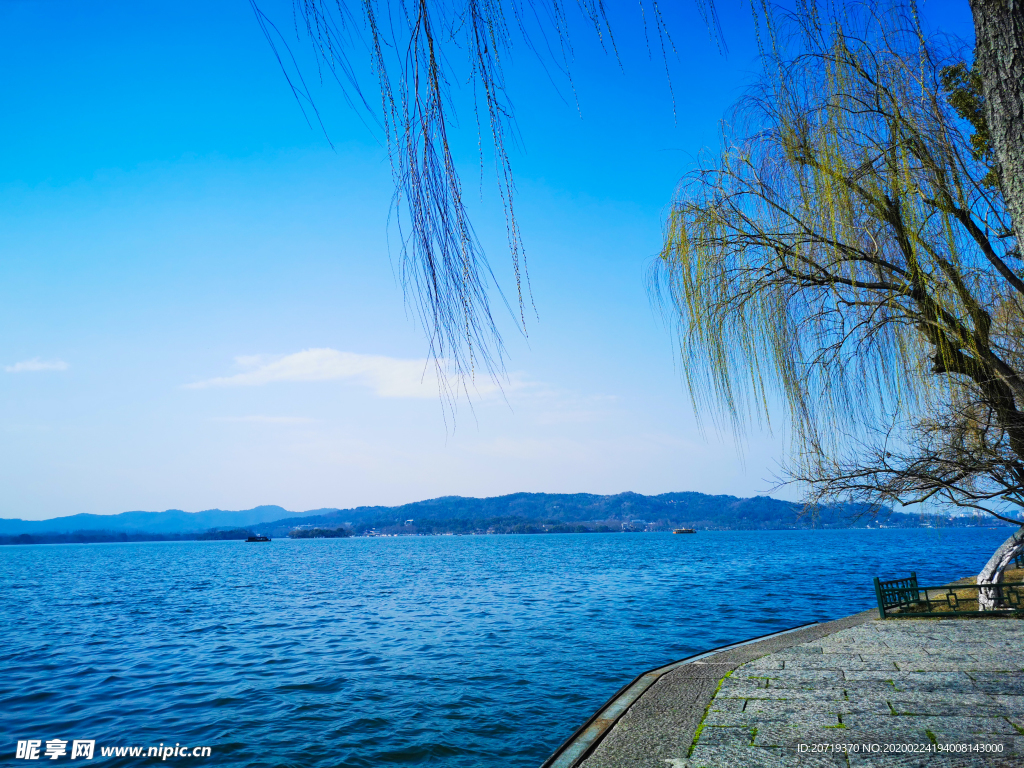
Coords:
849,254
422,52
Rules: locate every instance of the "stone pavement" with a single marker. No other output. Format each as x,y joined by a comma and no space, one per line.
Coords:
922,683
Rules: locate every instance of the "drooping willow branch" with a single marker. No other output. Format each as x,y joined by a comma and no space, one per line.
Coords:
421,52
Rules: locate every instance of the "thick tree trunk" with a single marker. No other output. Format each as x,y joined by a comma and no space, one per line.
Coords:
999,59
992,573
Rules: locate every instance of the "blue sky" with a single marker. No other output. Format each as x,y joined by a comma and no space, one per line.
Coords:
198,296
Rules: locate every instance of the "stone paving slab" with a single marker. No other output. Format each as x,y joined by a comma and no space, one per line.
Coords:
875,686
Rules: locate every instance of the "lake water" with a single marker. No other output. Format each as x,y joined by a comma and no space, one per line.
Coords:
454,651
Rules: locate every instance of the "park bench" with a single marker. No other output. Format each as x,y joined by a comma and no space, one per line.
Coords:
908,599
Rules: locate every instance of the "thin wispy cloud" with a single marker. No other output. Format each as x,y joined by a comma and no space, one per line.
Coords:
265,419
35,365
386,376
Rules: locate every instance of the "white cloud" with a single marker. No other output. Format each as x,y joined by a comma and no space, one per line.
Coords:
387,376
35,364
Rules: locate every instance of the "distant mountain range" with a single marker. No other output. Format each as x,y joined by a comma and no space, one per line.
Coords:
514,513
171,521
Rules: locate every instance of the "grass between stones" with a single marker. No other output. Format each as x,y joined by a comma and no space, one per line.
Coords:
700,725
840,723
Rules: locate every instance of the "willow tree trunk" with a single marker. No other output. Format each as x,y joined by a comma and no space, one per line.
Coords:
992,573
999,58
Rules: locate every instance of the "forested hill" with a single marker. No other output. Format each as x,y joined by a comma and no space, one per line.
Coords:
515,513
696,508
537,512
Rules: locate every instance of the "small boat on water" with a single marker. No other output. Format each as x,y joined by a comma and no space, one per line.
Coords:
258,538
684,530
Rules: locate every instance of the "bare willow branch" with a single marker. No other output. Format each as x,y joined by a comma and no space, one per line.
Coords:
421,52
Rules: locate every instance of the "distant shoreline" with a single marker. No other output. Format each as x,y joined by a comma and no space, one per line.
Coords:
100,537
522,513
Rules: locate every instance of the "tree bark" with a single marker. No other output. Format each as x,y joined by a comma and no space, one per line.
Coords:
999,59
992,573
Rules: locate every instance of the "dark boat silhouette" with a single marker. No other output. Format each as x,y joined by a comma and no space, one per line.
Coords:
258,538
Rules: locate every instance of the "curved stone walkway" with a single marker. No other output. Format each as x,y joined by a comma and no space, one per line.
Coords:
950,691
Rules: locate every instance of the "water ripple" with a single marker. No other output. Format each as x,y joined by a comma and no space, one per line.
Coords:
454,651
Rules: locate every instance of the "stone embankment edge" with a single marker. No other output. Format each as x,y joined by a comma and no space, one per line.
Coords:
584,741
